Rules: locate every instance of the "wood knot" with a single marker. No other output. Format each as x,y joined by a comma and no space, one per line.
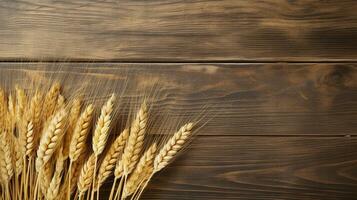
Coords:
337,77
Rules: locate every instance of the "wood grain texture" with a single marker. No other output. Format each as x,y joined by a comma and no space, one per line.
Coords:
289,168
245,99
162,30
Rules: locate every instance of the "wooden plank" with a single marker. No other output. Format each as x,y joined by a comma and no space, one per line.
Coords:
270,30
290,168
245,99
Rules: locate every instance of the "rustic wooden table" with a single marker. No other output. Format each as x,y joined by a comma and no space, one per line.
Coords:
281,74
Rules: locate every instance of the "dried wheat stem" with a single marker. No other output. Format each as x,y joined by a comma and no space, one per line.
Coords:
135,142
50,139
142,171
111,158
101,131
81,130
86,175
172,147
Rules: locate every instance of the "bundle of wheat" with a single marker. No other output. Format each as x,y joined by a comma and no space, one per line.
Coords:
52,148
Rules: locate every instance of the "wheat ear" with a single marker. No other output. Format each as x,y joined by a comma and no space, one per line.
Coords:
51,100
35,112
18,155
61,102
72,119
3,108
81,130
11,106
7,170
75,173
111,158
142,171
29,139
86,175
172,147
50,139
135,142
55,183
101,131
45,176
21,102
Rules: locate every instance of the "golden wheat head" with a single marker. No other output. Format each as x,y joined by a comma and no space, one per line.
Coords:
172,147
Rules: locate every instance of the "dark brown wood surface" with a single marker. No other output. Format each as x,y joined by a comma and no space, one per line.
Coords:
268,30
279,78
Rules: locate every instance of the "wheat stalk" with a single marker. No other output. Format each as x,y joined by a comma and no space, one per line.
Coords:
112,157
80,133
141,172
86,175
172,147
135,142
50,139
100,134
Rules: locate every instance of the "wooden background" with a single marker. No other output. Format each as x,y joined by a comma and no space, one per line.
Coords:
281,74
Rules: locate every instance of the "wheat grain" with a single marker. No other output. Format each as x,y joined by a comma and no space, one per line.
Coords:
135,142
86,175
80,133
111,158
171,148
101,131
141,171
72,119
50,139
